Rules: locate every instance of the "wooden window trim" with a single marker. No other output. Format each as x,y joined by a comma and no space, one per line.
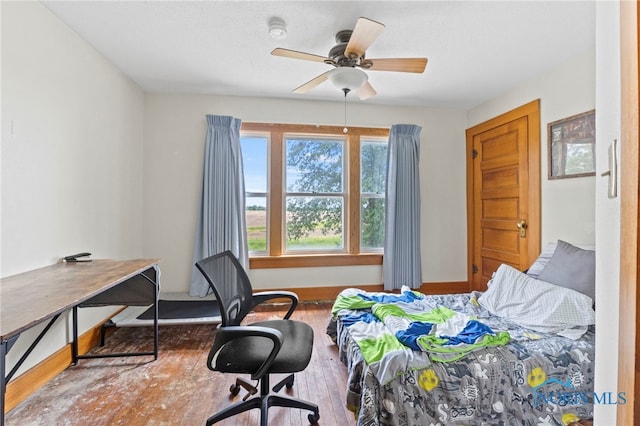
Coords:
314,260
313,129
275,199
353,209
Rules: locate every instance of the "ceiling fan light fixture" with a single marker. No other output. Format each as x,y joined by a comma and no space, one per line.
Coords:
277,28
347,78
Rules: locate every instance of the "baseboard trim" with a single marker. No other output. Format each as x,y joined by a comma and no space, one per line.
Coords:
39,375
330,293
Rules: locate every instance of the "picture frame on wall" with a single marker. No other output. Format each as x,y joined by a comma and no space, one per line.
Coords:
571,146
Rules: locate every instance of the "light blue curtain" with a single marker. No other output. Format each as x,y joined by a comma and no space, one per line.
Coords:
401,264
221,214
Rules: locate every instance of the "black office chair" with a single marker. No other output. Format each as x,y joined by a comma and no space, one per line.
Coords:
258,349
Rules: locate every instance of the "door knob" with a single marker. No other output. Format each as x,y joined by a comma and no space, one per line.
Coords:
522,226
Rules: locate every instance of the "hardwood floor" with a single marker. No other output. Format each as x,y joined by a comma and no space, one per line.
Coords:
178,388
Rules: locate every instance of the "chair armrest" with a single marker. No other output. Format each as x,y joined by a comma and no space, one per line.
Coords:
263,296
226,334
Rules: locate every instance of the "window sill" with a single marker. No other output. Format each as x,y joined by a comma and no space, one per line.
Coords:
316,260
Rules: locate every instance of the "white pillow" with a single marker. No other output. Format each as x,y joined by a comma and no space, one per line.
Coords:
542,260
538,305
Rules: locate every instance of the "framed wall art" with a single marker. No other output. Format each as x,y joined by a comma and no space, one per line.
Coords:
571,147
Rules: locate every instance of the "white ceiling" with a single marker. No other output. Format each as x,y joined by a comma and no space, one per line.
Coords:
477,50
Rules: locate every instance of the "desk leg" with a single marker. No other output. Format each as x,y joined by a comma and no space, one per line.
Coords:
74,342
155,315
3,380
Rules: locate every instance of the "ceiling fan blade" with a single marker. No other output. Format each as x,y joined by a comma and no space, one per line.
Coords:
287,53
312,83
364,33
365,91
416,65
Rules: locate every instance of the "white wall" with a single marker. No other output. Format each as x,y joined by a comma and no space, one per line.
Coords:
568,211
71,167
175,129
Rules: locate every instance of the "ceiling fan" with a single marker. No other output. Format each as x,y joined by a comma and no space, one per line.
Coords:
348,59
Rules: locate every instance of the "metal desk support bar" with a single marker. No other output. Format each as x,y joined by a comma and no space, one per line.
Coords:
31,348
5,347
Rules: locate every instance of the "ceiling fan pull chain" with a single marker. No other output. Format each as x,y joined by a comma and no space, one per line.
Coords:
346,91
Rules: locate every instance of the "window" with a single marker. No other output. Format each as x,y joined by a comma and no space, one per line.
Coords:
373,177
255,164
314,195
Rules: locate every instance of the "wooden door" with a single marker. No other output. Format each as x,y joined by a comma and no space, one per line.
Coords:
503,193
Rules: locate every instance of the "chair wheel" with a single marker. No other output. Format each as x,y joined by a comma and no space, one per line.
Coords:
313,418
289,384
234,389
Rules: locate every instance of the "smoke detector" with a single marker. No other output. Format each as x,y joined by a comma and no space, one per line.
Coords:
277,29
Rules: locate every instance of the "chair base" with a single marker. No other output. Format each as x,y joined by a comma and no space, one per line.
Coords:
266,399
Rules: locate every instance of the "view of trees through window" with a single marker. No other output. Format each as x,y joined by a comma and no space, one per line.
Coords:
373,176
315,195
315,192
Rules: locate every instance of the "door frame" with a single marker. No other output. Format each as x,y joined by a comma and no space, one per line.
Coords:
629,340
530,110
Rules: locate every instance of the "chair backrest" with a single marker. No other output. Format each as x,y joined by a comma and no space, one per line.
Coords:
230,284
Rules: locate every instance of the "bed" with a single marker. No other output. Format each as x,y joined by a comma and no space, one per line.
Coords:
520,353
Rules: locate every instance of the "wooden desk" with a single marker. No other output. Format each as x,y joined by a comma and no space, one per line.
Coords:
43,294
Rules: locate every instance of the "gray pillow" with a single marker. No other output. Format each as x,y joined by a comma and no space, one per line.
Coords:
572,267
545,256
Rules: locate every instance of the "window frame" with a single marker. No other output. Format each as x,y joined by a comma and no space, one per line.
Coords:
276,257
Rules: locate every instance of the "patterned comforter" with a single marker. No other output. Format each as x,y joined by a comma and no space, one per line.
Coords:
534,379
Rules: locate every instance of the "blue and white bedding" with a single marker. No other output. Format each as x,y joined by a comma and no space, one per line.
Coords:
449,359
